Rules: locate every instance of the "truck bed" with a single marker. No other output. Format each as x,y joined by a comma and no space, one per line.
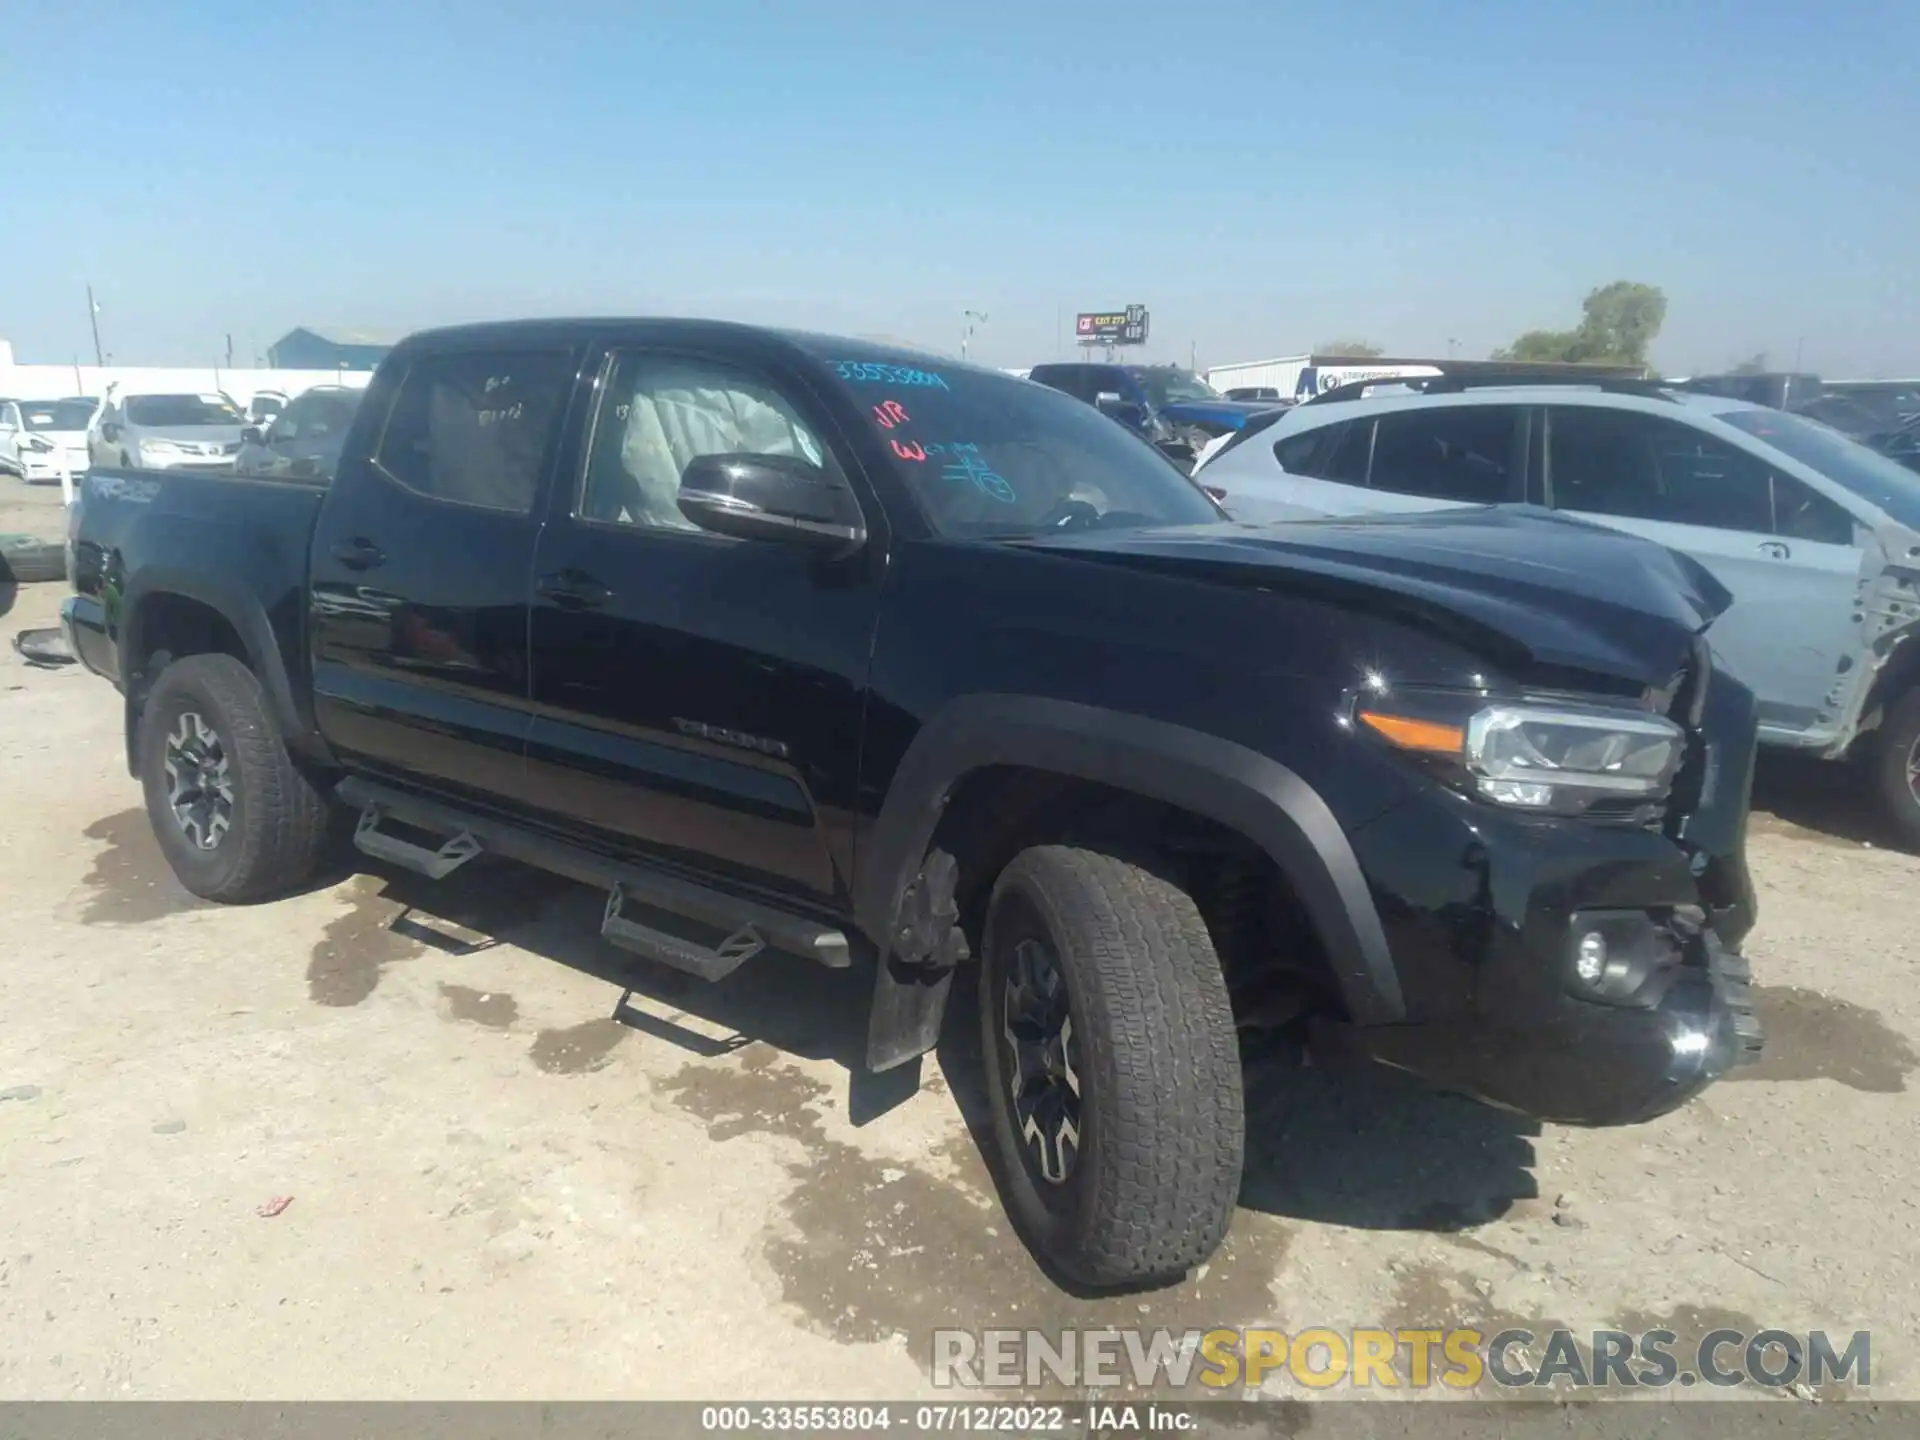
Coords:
231,540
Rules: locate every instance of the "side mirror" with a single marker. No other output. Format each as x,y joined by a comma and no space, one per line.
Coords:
771,497
110,431
252,435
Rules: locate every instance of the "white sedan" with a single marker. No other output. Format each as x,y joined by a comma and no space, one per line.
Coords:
41,439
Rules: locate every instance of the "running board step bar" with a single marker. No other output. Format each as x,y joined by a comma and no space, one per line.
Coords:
370,839
708,962
749,926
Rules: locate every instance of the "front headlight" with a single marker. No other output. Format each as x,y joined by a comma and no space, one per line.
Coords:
158,447
1529,755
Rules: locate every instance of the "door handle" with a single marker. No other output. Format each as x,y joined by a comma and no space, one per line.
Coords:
572,590
359,553
1776,550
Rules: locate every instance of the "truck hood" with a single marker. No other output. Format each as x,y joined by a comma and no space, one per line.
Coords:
1228,414
1523,583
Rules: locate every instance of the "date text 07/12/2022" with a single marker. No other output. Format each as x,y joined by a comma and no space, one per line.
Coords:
950,1419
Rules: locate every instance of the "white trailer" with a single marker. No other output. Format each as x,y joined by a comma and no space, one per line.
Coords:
1301,377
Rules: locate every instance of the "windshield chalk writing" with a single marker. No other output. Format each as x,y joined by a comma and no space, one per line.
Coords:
888,374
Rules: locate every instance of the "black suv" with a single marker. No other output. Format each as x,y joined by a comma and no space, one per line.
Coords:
798,644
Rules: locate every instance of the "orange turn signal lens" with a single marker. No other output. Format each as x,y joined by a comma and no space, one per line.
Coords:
1425,735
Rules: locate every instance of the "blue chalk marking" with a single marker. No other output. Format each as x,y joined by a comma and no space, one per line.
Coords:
872,372
970,467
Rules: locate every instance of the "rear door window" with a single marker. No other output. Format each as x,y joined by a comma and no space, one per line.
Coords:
473,427
1470,454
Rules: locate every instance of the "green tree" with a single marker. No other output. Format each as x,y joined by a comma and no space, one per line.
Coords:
1350,349
1752,365
1618,323
1541,346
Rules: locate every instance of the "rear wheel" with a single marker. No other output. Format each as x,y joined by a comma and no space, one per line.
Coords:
236,819
1896,767
1112,1067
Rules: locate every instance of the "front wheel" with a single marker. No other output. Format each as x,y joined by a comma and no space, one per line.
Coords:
236,819
1112,1066
1896,767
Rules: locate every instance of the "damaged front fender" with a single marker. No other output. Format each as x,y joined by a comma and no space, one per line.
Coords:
1884,659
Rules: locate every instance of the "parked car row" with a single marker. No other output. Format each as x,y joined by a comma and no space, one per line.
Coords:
1816,537
275,435
1172,407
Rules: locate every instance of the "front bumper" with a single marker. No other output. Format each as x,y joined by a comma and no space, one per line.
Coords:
188,462
41,468
1581,1063
1486,942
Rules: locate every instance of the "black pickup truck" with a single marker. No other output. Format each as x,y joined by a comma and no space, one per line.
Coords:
801,645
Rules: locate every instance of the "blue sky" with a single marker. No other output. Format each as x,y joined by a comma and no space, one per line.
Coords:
1262,175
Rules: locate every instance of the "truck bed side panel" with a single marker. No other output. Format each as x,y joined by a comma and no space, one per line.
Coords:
158,551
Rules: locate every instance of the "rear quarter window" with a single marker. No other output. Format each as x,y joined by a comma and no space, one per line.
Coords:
1331,452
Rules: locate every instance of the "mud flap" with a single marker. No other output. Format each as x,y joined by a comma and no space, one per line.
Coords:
915,973
1887,610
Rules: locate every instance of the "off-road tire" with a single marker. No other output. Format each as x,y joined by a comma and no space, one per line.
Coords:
26,558
1162,1121
279,827
1893,754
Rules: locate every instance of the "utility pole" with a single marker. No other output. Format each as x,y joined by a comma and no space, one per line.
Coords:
93,319
974,317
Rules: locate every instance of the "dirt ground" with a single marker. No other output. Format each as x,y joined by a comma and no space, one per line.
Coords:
500,1190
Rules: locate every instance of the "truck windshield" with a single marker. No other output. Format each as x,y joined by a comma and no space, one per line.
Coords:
1873,477
1171,387
987,455
58,414
181,410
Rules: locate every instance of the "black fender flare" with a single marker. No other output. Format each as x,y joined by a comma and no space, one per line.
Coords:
1219,779
240,609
